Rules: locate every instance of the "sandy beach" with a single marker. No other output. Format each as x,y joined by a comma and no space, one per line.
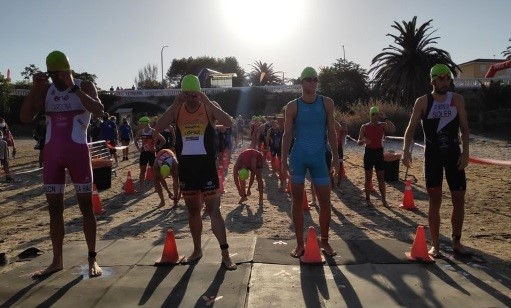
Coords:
24,220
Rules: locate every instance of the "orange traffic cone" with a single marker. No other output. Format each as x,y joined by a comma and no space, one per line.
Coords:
220,172
128,186
312,252
408,203
276,164
268,155
149,173
169,255
305,203
96,201
225,160
420,248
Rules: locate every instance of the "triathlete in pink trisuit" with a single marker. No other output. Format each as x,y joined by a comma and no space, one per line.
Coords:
68,104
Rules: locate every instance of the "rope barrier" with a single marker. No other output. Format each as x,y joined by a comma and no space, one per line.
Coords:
472,159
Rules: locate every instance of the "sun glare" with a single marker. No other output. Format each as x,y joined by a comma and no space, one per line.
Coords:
262,21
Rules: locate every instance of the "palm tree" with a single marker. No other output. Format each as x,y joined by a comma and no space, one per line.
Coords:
401,71
263,74
507,53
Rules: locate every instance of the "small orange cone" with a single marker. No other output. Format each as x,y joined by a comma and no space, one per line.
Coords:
312,252
96,201
149,173
276,163
169,255
408,203
268,155
128,186
305,203
420,248
225,160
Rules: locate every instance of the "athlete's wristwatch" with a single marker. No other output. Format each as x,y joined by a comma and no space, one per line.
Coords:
74,88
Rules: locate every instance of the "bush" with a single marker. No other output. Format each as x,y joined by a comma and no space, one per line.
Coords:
358,114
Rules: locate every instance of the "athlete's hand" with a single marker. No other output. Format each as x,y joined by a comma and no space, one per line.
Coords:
39,79
67,77
462,161
333,166
407,159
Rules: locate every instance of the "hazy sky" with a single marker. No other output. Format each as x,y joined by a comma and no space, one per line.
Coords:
114,39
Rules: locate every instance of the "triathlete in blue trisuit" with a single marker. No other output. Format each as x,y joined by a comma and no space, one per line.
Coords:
309,117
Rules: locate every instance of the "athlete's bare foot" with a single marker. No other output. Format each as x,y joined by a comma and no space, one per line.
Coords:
162,203
94,269
193,258
53,268
243,199
297,252
227,263
327,249
385,203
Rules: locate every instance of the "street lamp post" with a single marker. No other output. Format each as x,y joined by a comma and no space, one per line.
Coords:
344,53
161,56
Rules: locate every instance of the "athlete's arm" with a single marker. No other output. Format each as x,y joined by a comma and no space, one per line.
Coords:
361,136
34,101
332,137
169,116
465,132
221,117
289,117
418,110
89,98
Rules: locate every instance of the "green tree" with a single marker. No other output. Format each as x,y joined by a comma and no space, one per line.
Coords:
344,81
5,92
496,96
184,66
148,77
507,53
86,76
264,75
29,71
401,71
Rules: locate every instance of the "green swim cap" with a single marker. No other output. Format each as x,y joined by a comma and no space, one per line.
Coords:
243,174
374,109
144,120
165,170
440,69
190,83
308,72
57,61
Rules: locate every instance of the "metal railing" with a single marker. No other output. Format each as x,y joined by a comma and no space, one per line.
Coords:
458,83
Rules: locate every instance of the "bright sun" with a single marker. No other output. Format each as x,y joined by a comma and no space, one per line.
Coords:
262,20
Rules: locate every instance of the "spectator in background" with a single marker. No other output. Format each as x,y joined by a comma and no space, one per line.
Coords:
40,137
126,136
4,158
109,134
7,136
169,134
94,130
